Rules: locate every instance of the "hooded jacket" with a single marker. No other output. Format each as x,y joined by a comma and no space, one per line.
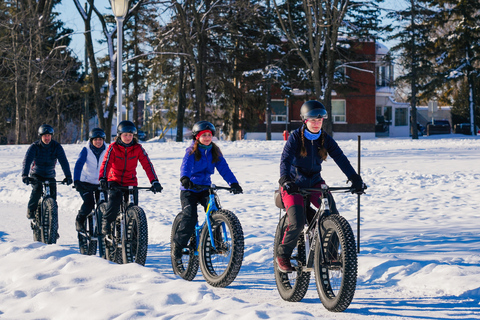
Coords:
305,171
41,160
120,164
200,171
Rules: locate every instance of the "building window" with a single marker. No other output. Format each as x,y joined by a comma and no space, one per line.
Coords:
401,117
279,111
339,111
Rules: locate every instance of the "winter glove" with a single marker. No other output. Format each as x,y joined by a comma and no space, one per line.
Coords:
187,183
290,187
156,186
26,180
235,188
103,184
357,184
78,186
68,181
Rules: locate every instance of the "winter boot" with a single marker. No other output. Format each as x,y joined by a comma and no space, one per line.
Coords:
284,264
30,214
80,223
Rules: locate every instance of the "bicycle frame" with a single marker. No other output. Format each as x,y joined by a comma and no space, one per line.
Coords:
213,205
312,230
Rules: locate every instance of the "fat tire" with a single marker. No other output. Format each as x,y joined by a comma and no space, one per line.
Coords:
291,286
337,279
218,271
189,267
49,223
100,212
36,223
113,251
136,243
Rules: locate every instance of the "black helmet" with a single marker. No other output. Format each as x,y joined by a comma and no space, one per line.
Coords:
45,129
126,127
313,110
201,126
96,133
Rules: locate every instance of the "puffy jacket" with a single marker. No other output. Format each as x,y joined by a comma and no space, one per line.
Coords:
41,159
305,172
87,167
200,171
120,164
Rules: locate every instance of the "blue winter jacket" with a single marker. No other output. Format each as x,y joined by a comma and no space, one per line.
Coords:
41,159
200,171
305,172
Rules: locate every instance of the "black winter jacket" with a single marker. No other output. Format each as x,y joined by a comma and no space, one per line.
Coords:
305,172
41,159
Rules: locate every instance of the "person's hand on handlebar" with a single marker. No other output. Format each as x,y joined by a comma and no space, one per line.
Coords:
235,188
358,186
290,187
156,186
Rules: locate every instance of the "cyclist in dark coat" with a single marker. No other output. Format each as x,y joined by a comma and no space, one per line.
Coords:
39,162
198,164
300,167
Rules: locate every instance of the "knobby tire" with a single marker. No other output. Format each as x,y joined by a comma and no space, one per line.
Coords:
291,286
220,267
336,280
189,267
49,221
135,245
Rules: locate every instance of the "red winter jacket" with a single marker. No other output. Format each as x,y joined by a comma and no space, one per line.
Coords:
120,164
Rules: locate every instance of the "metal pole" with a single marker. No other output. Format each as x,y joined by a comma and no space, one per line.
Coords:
358,201
119,68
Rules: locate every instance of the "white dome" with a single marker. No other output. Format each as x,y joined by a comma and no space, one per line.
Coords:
381,49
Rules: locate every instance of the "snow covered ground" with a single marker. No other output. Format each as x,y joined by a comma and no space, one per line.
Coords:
420,240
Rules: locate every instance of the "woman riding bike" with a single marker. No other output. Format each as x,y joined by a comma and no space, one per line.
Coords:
86,172
300,166
119,168
198,164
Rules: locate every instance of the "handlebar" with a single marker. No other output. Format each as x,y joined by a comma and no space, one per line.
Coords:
31,179
325,188
128,188
210,187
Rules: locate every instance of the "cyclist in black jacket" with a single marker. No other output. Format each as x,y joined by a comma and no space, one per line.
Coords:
39,162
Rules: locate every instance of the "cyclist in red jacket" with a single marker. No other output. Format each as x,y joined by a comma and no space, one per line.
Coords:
119,168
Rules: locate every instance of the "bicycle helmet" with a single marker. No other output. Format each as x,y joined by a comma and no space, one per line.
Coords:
96,133
126,127
45,129
313,110
202,126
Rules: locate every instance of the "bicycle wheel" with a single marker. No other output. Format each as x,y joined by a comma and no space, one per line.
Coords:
86,242
189,267
336,279
37,222
294,285
221,265
135,244
97,231
49,224
113,249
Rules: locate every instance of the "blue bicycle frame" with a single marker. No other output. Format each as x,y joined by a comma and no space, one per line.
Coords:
211,207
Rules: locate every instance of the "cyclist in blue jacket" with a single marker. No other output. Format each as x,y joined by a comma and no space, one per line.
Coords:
40,161
300,166
86,173
199,163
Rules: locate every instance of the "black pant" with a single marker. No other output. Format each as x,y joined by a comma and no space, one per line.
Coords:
189,214
90,194
37,191
295,221
115,200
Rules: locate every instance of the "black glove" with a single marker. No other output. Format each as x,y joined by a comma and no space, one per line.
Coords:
68,181
78,185
290,187
187,183
156,186
103,184
235,188
357,184
26,180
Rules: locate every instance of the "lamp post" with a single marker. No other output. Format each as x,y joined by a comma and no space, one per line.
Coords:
120,9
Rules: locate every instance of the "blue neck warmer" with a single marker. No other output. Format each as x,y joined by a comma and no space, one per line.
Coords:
204,147
312,136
